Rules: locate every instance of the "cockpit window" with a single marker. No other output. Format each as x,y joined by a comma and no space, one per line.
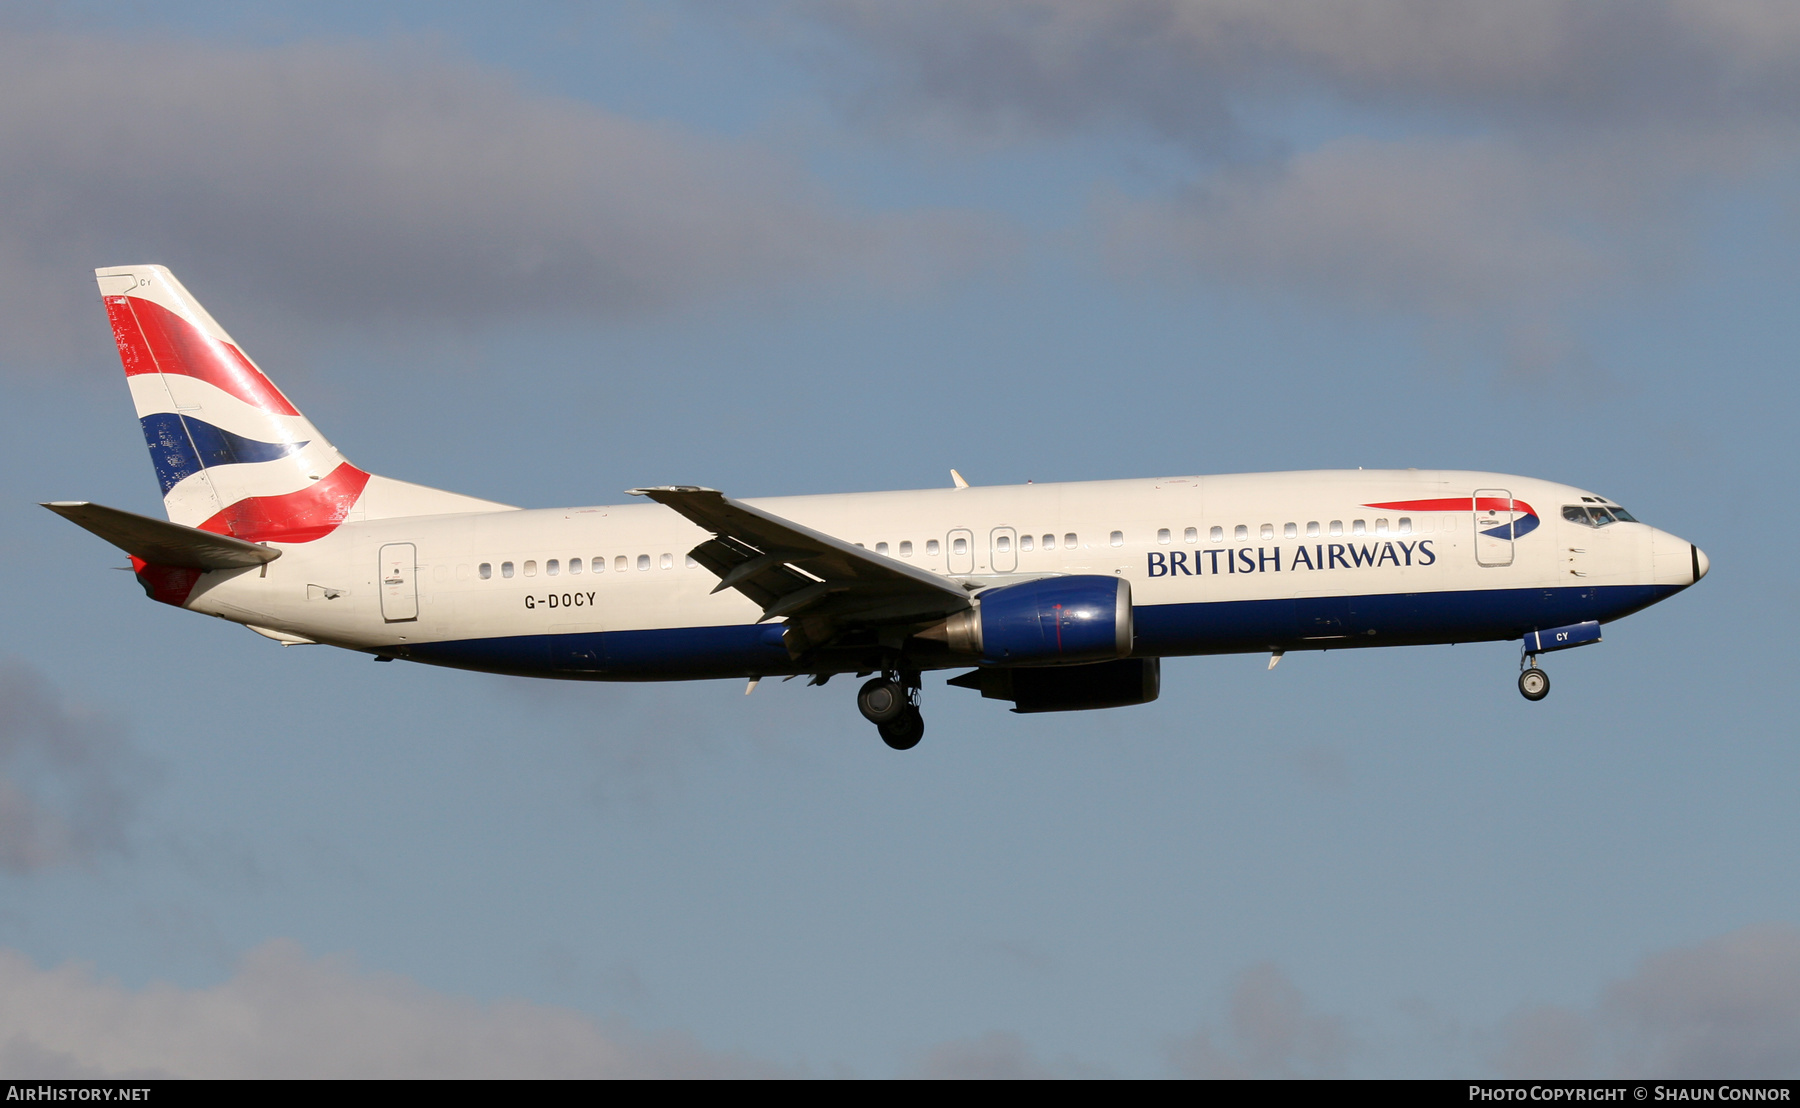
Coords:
1596,515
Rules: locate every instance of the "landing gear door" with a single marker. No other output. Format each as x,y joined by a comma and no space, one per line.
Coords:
962,551
1493,527
399,582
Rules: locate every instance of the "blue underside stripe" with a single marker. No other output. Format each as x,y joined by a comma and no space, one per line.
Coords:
1163,630
181,446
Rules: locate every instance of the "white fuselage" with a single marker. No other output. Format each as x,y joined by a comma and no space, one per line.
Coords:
1215,564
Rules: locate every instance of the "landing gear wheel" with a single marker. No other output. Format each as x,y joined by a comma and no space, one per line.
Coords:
1534,684
882,701
905,731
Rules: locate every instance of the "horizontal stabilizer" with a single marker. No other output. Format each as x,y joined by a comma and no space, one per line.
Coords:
162,543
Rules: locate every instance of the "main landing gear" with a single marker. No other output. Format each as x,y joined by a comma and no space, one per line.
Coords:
1534,683
892,705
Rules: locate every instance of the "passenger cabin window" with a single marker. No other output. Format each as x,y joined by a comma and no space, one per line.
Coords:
487,570
667,561
1312,528
1290,530
1406,525
881,548
1118,538
959,546
1241,533
1003,544
1025,543
1268,530
552,568
1192,534
1163,536
1358,527
643,562
1218,534
1381,527
1337,527
531,568
1070,542
691,564
906,549
1049,542
574,565
621,564
931,547
506,569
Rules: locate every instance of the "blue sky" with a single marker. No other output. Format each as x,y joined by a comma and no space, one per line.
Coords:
832,246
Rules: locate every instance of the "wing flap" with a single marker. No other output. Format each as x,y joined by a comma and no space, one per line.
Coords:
159,542
789,569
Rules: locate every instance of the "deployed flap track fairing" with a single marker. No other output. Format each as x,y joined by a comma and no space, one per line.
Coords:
1051,597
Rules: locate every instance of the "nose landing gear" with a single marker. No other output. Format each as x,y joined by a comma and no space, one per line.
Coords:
1534,683
892,705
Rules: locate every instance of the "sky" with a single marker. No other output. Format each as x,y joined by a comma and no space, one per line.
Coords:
544,254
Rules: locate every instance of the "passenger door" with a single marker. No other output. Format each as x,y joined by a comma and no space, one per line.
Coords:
1493,527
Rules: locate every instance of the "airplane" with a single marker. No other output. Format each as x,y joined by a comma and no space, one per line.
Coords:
1053,597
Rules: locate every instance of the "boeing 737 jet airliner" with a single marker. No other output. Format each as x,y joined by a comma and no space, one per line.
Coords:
1054,597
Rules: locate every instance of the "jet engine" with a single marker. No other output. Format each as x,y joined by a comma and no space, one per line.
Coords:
1047,622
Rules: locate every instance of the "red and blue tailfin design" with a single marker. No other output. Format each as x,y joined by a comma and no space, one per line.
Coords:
231,453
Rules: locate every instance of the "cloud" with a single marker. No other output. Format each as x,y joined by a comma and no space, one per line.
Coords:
65,777
1499,170
1727,1007
285,1015
995,1056
356,183
1194,71
1270,1033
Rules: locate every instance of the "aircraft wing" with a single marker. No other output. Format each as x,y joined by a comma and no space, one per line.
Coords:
791,570
162,543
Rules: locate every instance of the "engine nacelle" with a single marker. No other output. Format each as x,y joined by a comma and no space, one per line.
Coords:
1052,621
1069,688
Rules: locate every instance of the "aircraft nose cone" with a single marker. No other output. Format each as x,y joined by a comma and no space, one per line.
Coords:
1701,564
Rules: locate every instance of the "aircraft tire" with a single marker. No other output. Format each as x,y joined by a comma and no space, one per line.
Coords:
1534,684
904,732
881,701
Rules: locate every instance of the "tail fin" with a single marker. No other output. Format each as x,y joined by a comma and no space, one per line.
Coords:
233,455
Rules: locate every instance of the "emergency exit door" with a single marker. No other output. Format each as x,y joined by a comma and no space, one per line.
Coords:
961,550
399,582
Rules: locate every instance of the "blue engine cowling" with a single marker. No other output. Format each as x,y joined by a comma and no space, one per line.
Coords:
1051,621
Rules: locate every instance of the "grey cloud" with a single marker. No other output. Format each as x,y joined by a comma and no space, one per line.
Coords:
1545,1041
355,184
1271,1032
285,1015
1476,235
1538,158
66,792
1188,69
1725,1008
995,1056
